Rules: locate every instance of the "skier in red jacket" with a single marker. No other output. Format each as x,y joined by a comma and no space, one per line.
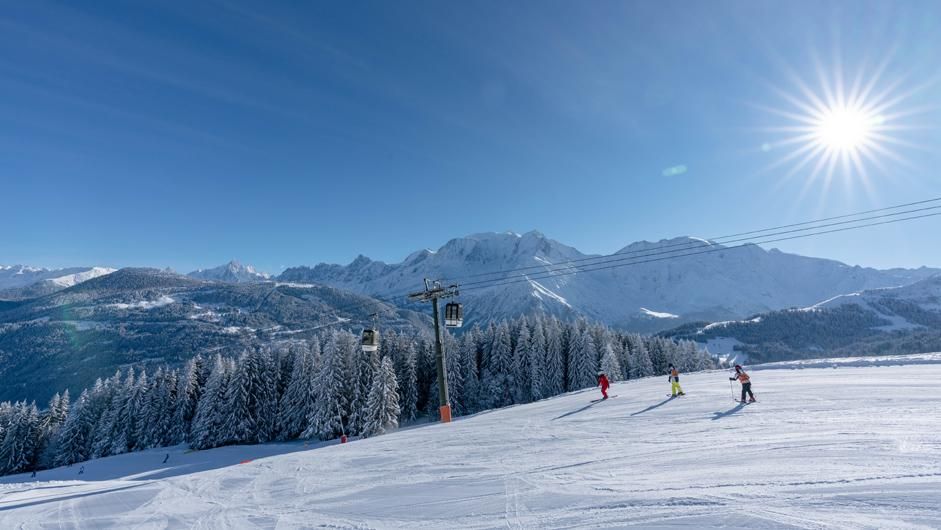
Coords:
604,384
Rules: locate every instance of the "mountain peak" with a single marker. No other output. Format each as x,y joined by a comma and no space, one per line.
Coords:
231,272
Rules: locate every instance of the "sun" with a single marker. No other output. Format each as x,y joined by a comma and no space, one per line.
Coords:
845,129
840,127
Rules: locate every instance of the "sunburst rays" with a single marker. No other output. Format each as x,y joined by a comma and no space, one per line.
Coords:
839,130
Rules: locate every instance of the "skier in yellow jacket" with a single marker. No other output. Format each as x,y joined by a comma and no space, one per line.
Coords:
675,382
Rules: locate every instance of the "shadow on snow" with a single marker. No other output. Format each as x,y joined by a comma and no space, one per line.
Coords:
583,409
733,410
648,409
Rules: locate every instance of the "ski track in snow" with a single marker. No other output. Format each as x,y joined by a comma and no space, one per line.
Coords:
855,447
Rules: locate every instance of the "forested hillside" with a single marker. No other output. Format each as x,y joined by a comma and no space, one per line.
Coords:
326,386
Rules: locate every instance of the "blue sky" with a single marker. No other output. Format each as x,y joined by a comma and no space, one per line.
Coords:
185,134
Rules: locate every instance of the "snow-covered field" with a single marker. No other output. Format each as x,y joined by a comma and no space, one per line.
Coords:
852,447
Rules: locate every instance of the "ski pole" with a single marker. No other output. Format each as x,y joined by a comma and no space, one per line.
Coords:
731,390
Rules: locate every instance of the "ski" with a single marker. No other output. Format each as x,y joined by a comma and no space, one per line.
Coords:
602,399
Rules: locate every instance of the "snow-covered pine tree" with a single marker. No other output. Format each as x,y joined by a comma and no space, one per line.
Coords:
658,354
206,431
241,423
470,370
191,386
295,403
72,441
126,421
159,427
520,377
326,417
583,361
269,395
497,381
537,361
383,404
316,364
6,415
20,443
625,359
425,374
50,422
147,435
406,373
454,364
113,399
641,363
363,368
610,365
555,359
349,345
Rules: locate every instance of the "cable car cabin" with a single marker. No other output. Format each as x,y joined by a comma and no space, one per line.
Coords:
453,315
370,340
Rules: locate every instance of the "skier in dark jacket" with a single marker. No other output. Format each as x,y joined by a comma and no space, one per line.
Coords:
604,384
746,383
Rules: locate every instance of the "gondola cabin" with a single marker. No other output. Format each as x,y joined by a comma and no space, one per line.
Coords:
453,315
370,340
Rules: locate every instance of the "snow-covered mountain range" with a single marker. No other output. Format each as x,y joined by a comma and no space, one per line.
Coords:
66,327
21,281
646,286
231,272
657,291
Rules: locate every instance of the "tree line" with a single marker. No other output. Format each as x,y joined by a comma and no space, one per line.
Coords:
325,387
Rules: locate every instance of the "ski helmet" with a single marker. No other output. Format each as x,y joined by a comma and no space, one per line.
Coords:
600,374
738,368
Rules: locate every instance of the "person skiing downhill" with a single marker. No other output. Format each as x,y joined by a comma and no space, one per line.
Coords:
746,383
675,382
604,384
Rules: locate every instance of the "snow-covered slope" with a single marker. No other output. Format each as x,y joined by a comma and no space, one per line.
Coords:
855,447
68,280
902,307
721,285
231,272
21,281
14,276
896,320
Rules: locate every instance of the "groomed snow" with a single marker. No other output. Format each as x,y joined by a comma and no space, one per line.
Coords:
852,447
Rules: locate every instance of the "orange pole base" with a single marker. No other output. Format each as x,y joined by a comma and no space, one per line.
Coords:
445,411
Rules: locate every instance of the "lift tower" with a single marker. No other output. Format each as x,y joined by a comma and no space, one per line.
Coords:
433,291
